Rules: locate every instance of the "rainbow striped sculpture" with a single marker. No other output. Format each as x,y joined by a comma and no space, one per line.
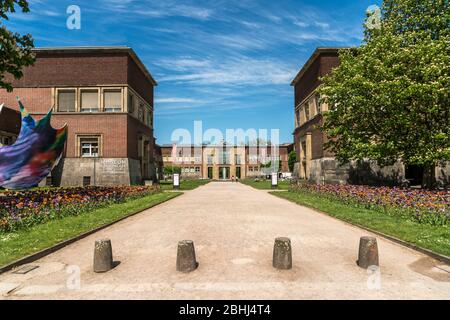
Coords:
35,153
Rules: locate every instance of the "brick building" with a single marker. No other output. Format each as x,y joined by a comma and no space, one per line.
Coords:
319,165
221,162
105,95
9,125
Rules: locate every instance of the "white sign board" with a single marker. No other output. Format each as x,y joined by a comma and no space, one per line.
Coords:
176,180
274,179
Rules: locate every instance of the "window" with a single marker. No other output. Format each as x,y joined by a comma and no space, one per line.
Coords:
141,113
197,169
86,181
89,100
89,147
149,119
192,170
318,106
306,111
250,169
112,100
130,103
66,100
237,158
224,157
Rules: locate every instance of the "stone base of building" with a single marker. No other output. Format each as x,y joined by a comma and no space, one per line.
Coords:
443,175
97,171
329,171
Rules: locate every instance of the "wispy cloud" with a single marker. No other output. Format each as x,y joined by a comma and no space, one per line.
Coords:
176,100
242,71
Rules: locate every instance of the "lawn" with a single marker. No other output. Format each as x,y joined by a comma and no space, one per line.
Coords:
433,237
184,184
266,184
15,245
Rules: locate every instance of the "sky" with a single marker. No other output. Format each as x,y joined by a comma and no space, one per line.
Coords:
227,63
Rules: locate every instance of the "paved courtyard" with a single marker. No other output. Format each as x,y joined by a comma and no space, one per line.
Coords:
233,227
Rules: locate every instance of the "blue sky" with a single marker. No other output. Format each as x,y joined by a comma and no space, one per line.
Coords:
228,63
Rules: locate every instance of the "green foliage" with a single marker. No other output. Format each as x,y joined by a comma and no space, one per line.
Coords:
172,170
23,242
389,98
15,49
432,237
292,160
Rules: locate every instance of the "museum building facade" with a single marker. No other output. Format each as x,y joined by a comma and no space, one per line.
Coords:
105,96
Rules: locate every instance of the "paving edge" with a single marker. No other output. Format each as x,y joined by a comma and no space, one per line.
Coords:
40,254
404,243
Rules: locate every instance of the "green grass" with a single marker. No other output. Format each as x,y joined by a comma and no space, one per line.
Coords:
25,242
184,184
265,184
434,238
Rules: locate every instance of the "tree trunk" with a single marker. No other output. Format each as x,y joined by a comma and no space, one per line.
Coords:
429,177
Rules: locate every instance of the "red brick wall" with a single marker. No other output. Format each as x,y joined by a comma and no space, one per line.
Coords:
112,127
80,69
322,66
139,82
317,138
35,100
328,61
134,129
308,82
85,69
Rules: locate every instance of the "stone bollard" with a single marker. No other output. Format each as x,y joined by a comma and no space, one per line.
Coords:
103,259
368,252
282,254
186,261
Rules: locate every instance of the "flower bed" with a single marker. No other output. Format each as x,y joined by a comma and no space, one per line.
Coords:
422,206
26,208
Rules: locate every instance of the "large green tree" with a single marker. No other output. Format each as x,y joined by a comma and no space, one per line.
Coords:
15,49
389,98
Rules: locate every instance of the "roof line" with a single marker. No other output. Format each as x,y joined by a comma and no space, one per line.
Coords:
312,59
79,49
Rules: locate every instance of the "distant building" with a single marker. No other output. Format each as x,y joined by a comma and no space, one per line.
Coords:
10,121
105,95
222,162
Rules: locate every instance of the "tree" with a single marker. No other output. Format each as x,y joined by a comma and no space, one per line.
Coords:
292,160
15,49
389,98
171,170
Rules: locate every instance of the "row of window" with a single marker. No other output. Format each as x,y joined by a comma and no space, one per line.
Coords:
253,169
89,100
308,109
224,159
102,100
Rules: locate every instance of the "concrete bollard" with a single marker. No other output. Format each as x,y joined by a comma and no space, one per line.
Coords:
103,259
282,254
186,261
368,252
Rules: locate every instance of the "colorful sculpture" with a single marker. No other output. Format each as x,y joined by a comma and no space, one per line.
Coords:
36,151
